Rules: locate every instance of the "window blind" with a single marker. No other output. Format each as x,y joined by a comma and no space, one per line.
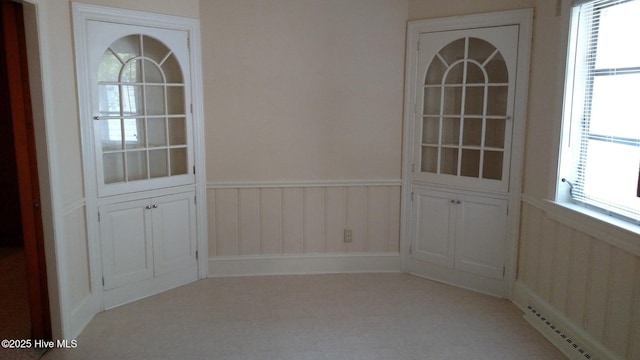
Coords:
606,110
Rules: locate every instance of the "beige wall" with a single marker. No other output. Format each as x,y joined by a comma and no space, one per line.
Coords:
303,89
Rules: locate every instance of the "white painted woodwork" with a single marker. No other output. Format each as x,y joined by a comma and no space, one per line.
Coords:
586,284
290,220
149,230
174,232
480,235
126,241
460,232
463,147
147,238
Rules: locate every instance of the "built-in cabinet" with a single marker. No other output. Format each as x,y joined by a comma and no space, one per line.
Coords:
139,144
147,238
459,231
466,87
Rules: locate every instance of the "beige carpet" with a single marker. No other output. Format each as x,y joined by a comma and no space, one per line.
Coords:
15,321
359,316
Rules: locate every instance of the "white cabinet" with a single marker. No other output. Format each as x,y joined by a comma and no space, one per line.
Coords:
461,232
464,128
146,244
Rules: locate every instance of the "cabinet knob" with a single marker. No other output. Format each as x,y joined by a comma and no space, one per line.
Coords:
453,201
458,202
155,206
148,207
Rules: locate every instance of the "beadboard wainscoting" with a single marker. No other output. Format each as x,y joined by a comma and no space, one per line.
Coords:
581,282
293,228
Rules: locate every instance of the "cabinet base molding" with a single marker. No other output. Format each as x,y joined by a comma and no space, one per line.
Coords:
527,300
139,290
303,264
458,278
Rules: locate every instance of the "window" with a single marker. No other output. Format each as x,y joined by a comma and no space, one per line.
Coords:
601,138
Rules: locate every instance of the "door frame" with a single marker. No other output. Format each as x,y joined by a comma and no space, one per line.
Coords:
524,19
19,96
82,13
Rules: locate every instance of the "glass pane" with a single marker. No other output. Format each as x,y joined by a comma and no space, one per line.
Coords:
616,46
152,73
494,133
132,103
157,132
172,70
179,161
108,100
109,67
497,100
475,75
136,165
432,100
472,134
492,167
113,167
470,166
453,51
449,161
452,100
612,181
111,134
158,163
455,74
430,130
132,72
429,160
127,47
155,100
175,100
451,131
177,131
497,70
154,49
474,100
615,106
134,134
436,71
480,50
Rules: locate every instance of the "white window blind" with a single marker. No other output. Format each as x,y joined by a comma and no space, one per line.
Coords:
604,109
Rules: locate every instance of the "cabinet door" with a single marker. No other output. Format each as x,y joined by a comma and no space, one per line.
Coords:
481,235
126,242
465,94
433,227
174,232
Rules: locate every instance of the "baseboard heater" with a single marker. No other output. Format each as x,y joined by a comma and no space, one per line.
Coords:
564,342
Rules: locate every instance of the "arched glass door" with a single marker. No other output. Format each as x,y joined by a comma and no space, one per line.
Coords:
142,120
464,129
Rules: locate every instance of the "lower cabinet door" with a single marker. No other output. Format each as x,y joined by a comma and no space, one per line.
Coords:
481,235
126,241
433,227
174,233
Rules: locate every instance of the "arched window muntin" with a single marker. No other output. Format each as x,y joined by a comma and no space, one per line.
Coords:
460,121
143,130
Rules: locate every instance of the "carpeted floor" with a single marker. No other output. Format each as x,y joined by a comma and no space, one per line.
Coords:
15,322
351,316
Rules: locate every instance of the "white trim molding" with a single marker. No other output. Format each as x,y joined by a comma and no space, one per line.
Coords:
301,183
303,264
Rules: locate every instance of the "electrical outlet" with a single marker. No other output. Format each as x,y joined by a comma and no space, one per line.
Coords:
348,236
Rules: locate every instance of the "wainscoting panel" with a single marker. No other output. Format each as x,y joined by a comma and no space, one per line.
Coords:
294,219
587,286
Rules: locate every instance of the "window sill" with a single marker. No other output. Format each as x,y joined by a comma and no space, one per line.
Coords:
615,232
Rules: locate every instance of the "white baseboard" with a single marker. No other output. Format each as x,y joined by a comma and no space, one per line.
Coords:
524,297
303,264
